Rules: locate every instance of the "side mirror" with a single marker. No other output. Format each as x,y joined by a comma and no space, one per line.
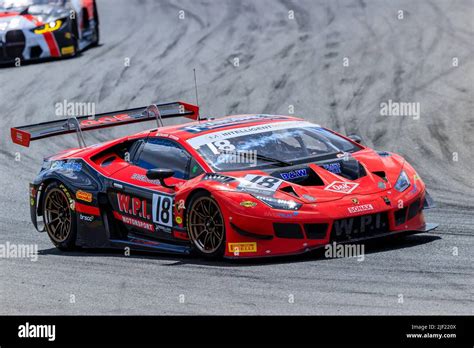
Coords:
355,138
160,175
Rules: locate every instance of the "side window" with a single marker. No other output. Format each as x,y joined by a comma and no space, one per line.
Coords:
195,169
165,153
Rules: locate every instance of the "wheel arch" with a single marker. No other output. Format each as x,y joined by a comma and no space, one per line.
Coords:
188,200
45,183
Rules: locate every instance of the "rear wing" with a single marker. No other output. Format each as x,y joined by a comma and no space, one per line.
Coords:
25,134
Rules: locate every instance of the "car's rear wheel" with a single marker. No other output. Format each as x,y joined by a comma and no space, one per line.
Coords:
206,227
59,216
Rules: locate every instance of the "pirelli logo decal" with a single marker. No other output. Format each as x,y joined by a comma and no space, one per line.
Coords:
250,247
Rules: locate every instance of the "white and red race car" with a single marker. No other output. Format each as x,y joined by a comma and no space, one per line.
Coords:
39,29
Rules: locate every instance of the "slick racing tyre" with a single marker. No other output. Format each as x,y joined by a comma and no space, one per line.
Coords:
59,216
205,225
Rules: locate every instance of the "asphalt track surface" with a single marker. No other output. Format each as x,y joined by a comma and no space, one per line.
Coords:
282,62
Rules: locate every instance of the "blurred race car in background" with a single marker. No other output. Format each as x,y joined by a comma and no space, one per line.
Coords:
38,29
241,186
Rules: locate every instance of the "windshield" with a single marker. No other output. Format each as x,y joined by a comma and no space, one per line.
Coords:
14,4
270,145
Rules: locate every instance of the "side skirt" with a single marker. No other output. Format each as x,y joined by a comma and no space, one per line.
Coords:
143,244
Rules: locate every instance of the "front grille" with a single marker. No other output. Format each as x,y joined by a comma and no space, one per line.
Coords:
315,231
14,44
359,227
35,52
288,231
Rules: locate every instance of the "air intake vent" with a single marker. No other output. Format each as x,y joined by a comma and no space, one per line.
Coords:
400,216
289,189
414,209
304,176
292,231
380,174
315,231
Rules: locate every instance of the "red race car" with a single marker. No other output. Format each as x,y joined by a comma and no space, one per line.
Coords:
238,187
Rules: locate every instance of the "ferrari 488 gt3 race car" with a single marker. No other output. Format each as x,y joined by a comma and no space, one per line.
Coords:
37,29
241,186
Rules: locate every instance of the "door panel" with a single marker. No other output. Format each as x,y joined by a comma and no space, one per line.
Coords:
143,205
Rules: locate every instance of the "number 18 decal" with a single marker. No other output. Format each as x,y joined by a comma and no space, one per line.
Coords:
260,182
163,210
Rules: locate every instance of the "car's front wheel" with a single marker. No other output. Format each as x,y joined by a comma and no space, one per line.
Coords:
59,216
206,227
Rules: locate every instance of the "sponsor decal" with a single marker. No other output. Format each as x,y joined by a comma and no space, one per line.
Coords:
287,215
84,196
143,178
248,204
205,139
160,228
70,166
355,200
333,167
360,225
259,183
204,126
67,50
416,177
360,208
249,247
88,218
37,331
136,223
294,174
179,220
341,187
72,203
309,198
132,206
386,200
109,119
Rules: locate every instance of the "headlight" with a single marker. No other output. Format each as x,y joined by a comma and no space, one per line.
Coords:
402,182
48,27
279,203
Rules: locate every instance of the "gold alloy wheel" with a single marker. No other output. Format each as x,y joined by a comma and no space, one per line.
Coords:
57,215
206,225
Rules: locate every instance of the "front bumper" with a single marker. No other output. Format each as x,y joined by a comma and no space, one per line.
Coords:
26,45
260,231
